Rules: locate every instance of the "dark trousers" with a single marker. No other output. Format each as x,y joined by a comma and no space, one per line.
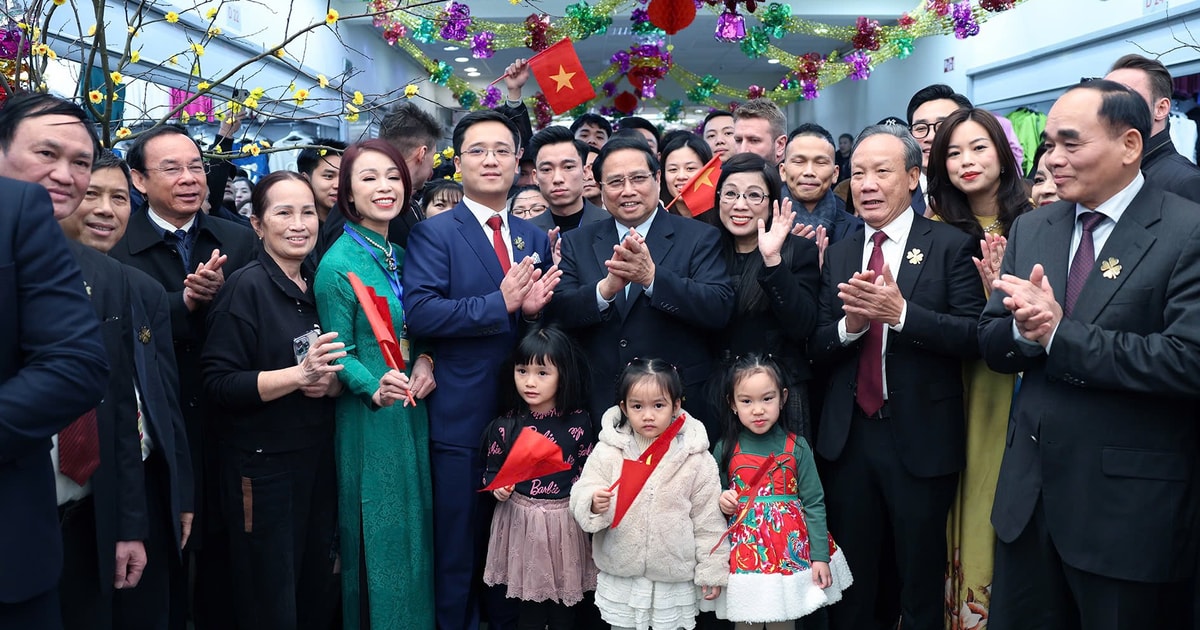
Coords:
280,510
462,519
41,612
158,602
83,604
1033,589
870,497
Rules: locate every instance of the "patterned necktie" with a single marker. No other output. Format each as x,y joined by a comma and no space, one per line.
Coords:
869,392
183,247
498,242
79,448
1082,263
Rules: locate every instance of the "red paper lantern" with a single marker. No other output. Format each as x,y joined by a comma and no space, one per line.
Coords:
671,16
625,102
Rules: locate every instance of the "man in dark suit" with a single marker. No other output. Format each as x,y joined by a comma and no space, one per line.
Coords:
189,253
52,370
99,223
644,283
101,509
469,276
892,426
558,160
1097,501
1163,166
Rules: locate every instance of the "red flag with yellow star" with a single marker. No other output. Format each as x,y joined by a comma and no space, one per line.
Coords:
701,190
560,74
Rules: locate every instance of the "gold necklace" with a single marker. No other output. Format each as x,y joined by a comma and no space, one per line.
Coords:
389,258
994,227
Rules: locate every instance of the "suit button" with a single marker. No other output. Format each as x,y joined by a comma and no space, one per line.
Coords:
623,343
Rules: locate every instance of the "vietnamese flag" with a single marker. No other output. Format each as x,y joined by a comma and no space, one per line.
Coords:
560,74
701,190
634,473
532,455
380,317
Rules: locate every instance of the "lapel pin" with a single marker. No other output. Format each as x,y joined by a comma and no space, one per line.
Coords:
915,257
144,334
1110,268
88,288
519,243
537,260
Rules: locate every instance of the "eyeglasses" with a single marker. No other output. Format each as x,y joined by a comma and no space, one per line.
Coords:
753,197
920,130
199,169
637,179
530,211
501,153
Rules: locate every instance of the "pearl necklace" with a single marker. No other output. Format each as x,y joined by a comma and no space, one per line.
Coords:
994,227
387,253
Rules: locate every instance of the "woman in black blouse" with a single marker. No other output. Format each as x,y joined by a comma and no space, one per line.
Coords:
270,376
775,278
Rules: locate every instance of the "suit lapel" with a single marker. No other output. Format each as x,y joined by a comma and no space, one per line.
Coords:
1052,248
915,255
1123,250
659,242
473,235
522,238
602,247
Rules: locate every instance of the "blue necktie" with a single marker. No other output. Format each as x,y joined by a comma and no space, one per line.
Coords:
183,247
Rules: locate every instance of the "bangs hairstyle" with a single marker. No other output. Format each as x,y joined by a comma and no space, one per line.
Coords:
744,367
659,371
108,159
950,203
345,200
750,297
750,163
309,158
258,195
551,345
434,187
677,141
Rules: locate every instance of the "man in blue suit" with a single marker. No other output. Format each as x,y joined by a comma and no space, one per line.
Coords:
52,370
472,277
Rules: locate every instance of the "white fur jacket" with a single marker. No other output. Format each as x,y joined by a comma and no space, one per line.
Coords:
672,524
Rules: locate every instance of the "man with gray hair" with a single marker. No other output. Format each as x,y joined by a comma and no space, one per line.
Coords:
760,127
899,310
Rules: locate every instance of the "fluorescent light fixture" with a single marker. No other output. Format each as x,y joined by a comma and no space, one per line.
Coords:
450,48
462,59
470,69
772,61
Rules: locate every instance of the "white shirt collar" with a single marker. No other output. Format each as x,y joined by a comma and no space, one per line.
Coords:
897,231
642,228
1115,206
483,213
166,226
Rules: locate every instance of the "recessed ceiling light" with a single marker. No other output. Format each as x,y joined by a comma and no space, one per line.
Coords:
699,111
470,69
772,61
450,48
472,74
462,59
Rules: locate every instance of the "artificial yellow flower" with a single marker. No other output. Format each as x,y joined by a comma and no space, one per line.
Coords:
198,49
351,117
91,30
59,3
185,117
322,81
265,144
174,60
300,95
211,14
95,97
204,85
292,86
252,149
437,160
172,17
124,132
23,26
411,91
116,77
351,113
458,176
217,149
37,32
352,109
257,92
41,50
214,31
135,56
201,116
250,102
358,98
279,52
448,153
322,152
331,18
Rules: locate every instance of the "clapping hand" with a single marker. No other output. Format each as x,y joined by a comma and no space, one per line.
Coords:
1032,303
867,297
518,282
992,247
202,286
541,291
818,234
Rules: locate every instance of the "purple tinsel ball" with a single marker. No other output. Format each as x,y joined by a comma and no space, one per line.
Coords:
481,45
964,21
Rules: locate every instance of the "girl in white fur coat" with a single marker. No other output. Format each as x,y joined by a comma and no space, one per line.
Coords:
658,563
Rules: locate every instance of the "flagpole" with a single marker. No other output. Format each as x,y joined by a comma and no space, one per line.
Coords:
527,61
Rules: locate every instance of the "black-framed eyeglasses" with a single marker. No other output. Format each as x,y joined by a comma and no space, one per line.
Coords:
920,130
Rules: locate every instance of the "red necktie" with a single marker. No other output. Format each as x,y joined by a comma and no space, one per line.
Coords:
79,448
498,242
1082,263
869,392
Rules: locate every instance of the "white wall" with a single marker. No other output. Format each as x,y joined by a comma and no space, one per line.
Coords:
1025,55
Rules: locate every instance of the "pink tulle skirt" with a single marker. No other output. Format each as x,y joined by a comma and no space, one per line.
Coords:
538,550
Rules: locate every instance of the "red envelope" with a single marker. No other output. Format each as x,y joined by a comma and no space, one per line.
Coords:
532,455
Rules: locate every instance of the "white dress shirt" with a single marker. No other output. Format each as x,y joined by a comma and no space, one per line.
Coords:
163,224
482,214
1113,209
893,253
